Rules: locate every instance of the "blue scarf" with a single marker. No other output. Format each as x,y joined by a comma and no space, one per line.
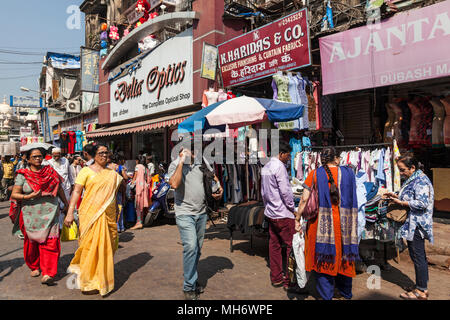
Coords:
348,210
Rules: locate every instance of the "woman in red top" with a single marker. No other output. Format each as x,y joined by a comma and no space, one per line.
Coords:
330,252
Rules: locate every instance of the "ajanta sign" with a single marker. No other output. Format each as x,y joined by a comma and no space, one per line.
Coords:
280,45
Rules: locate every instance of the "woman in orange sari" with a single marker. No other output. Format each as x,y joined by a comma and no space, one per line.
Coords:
331,241
93,262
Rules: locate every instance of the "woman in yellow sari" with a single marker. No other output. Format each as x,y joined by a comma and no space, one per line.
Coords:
93,261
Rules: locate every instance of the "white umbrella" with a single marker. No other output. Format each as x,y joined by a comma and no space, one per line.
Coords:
45,146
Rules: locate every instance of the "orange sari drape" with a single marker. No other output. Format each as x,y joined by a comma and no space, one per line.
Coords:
344,268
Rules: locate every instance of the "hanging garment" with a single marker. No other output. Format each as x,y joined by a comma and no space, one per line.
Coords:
397,180
71,143
79,141
312,111
64,142
296,146
446,103
437,138
387,167
361,193
421,123
317,93
282,83
381,177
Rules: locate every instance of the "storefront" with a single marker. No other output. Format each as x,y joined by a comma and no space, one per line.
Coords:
405,85
149,95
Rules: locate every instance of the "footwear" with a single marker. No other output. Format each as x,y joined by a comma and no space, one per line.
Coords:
137,226
90,293
35,273
47,280
190,295
415,295
199,288
277,284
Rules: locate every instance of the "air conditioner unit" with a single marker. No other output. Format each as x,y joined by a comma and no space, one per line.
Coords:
73,106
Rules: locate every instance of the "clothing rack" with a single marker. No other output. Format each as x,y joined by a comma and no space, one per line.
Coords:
354,146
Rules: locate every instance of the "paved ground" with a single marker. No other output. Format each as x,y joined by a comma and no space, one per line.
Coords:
149,266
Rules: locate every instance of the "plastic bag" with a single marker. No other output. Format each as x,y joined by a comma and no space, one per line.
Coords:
69,234
298,246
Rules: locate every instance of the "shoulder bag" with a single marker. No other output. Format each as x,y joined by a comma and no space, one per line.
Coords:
397,212
312,205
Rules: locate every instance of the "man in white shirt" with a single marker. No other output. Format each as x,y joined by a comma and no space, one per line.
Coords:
150,164
62,166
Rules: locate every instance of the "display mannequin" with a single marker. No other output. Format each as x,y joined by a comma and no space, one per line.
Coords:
446,103
388,126
437,138
210,97
222,95
414,139
397,125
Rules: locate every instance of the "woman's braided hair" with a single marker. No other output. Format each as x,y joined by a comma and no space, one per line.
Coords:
329,155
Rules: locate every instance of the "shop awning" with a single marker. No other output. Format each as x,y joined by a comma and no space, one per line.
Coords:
146,125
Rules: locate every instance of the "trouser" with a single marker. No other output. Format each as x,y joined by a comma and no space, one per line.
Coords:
43,256
281,232
326,283
192,231
416,249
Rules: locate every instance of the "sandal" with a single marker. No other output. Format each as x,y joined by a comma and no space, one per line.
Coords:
35,273
414,295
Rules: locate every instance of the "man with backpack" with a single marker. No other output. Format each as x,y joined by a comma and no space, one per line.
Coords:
187,178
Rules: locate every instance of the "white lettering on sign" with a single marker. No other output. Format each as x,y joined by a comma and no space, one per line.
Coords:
384,39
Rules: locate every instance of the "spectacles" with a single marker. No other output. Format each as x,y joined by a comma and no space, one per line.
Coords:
105,153
37,157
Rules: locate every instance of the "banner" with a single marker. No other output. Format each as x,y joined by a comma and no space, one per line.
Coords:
89,70
163,82
410,46
280,45
28,102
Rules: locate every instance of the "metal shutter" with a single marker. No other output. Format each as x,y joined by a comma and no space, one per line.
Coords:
355,119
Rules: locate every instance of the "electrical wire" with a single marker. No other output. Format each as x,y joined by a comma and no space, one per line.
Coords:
20,77
19,62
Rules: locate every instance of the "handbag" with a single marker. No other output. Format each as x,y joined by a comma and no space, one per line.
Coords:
312,205
69,234
397,212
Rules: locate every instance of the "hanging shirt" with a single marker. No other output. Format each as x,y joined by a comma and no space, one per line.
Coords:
361,193
72,142
397,180
79,141
64,142
296,146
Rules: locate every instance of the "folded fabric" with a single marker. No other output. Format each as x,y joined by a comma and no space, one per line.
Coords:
372,190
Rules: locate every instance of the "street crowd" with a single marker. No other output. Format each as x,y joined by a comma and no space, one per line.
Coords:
51,192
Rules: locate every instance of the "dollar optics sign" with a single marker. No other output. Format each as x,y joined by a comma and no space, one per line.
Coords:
156,80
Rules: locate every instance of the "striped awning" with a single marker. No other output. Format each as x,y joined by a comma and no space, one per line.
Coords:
147,125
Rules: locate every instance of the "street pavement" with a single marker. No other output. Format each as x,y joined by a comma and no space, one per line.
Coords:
148,266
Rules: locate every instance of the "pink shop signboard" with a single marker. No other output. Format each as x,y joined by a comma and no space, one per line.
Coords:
410,46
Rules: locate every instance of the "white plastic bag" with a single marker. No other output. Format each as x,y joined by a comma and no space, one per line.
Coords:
298,245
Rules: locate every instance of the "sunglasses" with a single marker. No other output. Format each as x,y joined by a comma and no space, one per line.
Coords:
37,157
105,153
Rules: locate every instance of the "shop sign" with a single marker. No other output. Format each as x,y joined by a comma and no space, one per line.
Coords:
28,102
410,46
162,83
209,62
25,132
89,69
280,45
